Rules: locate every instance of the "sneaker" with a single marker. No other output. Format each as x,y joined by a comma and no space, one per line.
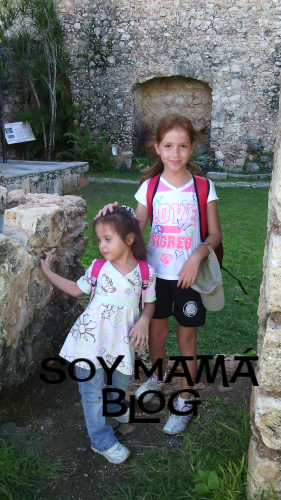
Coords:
151,384
178,423
124,419
116,454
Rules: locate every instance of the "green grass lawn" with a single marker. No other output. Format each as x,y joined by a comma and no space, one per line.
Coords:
243,214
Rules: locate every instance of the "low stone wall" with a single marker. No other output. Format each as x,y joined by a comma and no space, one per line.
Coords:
265,446
45,177
34,315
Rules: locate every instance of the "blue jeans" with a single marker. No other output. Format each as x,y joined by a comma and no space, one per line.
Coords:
101,435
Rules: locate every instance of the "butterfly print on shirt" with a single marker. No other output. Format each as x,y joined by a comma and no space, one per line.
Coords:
135,279
151,279
111,359
105,285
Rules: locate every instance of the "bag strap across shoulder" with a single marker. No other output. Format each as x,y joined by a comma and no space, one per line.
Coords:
151,191
98,264
202,188
144,270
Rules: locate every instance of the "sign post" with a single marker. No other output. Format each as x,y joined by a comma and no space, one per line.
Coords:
2,118
18,132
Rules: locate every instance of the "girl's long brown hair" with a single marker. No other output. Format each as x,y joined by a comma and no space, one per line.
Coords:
124,224
165,125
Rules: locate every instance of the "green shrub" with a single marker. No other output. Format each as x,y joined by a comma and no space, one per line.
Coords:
98,155
201,156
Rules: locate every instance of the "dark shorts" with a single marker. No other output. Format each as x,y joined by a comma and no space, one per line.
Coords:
188,308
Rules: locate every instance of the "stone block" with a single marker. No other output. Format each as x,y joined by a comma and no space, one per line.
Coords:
217,175
254,145
219,155
15,197
273,280
70,182
25,185
2,180
270,367
240,162
276,177
267,418
83,181
35,227
15,267
3,195
264,470
253,167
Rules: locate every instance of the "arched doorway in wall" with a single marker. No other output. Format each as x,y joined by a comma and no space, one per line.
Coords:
158,97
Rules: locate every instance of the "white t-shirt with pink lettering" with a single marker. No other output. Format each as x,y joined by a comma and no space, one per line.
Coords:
175,231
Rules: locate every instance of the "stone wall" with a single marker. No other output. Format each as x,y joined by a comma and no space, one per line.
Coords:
45,177
119,47
265,447
34,315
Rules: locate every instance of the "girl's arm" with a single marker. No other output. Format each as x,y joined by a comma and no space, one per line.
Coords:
188,273
142,216
63,284
139,332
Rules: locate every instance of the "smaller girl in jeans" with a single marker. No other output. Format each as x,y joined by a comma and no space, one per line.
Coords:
110,326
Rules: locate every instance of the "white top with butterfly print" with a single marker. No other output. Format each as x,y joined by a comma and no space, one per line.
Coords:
175,231
103,329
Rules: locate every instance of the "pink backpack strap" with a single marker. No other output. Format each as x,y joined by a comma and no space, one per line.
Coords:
144,270
98,264
150,193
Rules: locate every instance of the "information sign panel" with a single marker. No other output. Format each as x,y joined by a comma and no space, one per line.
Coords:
18,132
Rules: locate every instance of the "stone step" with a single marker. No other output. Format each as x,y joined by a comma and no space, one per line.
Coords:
225,175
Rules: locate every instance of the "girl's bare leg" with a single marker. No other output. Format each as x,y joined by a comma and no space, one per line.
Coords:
187,342
158,333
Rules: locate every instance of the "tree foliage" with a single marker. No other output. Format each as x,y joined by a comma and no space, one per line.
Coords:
32,36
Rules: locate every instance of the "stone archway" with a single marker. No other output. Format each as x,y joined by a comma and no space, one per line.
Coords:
264,461
159,97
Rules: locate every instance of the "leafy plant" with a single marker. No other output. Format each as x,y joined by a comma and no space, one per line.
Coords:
32,36
66,112
207,481
98,155
200,156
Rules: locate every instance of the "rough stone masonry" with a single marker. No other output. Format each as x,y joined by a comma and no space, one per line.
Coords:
264,461
34,315
217,61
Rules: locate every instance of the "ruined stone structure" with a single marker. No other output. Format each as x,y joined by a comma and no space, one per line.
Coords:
217,61
265,445
34,315
134,61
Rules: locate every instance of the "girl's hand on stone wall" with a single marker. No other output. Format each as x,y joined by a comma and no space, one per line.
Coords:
63,284
46,263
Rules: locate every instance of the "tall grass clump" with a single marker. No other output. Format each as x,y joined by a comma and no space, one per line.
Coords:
22,471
